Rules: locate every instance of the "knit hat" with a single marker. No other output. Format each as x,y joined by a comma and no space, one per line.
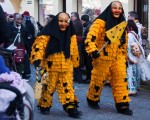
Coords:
3,68
26,13
85,18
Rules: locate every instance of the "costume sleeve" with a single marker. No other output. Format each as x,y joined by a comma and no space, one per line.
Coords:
38,48
74,51
96,29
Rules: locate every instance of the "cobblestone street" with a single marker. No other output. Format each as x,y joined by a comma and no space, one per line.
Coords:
139,104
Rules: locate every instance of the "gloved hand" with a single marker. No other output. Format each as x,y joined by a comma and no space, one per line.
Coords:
95,54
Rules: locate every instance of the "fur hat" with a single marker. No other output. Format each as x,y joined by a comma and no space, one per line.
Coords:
3,68
85,18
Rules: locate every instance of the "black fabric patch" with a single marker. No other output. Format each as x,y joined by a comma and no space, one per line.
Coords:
93,38
66,90
125,80
126,64
64,84
127,88
86,44
33,56
67,99
124,97
34,46
97,88
49,63
36,49
105,53
45,87
96,96
44,100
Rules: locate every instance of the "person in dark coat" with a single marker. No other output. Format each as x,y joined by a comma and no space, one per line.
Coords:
16,27
4,28
87,58
79,30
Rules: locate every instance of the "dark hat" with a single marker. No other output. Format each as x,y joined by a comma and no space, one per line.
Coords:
85,18
26,13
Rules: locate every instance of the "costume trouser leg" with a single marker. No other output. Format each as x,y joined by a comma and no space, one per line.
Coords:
119,81
99,75
47,92
62,81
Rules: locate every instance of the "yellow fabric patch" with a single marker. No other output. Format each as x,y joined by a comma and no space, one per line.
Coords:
115,33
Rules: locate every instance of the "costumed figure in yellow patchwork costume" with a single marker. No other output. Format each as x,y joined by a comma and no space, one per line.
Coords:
56,50
106,42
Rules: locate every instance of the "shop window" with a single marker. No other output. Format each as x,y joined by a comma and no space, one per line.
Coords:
91,8
45,8
143,11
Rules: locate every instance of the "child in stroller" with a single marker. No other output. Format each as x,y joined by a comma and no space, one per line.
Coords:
18,102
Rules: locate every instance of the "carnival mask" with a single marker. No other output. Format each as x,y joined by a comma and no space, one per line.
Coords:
116,8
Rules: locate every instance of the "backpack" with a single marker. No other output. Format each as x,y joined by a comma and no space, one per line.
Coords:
19,53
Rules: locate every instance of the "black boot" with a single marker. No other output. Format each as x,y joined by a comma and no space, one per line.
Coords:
93,104
123,108
74,113
71,109
44,111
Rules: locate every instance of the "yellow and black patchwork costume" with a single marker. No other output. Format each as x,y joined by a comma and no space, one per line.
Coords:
111,61
57,52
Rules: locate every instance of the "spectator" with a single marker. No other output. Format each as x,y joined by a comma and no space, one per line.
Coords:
132,15
79,30
17,28
87,58
4,28
133,69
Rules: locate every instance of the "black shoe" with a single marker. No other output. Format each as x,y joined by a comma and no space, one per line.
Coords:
74,113
45,111
93,104
123,108
126,111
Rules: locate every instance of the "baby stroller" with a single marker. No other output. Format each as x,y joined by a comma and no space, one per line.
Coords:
16,95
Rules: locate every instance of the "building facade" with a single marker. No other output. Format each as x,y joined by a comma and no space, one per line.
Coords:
40,8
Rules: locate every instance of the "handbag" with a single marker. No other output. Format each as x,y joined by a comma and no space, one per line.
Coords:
40,82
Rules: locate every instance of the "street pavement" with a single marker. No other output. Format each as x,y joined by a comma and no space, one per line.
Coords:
139,104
